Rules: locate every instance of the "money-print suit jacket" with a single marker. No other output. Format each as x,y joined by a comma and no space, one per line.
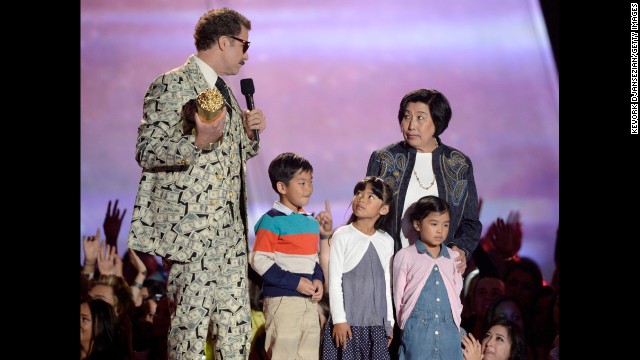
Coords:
187,198
454,173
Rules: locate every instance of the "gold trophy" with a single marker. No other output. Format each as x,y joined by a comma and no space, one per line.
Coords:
210,104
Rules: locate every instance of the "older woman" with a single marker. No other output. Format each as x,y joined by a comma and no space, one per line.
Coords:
422,165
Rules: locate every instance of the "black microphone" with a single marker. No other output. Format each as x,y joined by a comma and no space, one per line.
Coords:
247,89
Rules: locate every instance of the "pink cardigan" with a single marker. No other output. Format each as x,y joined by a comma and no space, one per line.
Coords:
410,272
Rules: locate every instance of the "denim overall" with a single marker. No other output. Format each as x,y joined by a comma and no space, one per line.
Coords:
430,332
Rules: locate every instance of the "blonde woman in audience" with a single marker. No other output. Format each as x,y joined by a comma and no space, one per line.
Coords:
485,291
115,291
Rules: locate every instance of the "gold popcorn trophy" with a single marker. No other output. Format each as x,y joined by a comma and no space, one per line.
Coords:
210,104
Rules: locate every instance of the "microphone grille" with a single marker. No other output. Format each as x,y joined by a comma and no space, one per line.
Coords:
246,87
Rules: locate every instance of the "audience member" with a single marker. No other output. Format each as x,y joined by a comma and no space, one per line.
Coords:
144,340
500,245
508,307
115,291
91,245
546,325
161,325
503,340
112,223
98,332
523,280
486,290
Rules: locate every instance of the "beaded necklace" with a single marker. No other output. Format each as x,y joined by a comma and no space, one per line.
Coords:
434,175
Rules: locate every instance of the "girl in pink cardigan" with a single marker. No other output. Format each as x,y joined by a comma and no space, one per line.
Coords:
427,286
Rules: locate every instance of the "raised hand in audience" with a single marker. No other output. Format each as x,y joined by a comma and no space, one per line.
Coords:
500,244
109,263
508,236
112,223
139,280
472,349
91,245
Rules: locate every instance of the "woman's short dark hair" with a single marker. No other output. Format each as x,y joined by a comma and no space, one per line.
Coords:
516,337
438,107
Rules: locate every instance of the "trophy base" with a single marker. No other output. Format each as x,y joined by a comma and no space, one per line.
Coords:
207,116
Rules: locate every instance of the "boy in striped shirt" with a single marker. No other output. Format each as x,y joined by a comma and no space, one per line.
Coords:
285,254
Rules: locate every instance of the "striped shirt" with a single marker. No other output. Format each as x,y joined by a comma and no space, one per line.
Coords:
285,249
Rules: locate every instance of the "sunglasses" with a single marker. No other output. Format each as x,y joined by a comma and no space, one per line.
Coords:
245,43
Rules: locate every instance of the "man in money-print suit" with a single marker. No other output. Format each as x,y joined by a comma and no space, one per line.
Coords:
191,206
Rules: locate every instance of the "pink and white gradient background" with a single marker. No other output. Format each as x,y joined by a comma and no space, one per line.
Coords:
329,76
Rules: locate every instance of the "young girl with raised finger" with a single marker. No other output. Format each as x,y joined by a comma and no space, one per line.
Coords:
361,322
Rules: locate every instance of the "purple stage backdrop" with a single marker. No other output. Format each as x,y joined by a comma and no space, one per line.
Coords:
329,76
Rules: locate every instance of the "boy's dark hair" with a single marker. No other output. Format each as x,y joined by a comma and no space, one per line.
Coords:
438,107
285,166
381,189
428,204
